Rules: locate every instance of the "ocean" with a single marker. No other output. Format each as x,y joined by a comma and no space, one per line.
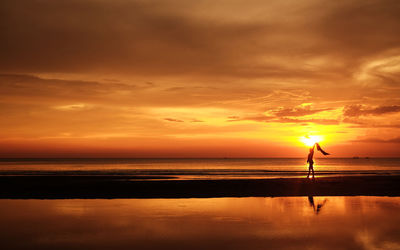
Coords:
205,169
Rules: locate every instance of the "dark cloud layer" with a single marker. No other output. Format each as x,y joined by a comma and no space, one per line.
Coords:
178,37
33,86
119,36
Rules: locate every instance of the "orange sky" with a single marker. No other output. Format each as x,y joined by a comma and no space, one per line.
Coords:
179,78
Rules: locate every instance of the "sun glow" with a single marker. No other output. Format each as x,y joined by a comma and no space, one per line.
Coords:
310,140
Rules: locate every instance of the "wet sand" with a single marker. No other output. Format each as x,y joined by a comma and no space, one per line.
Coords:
67,187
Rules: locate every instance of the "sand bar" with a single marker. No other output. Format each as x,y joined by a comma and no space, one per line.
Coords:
65,187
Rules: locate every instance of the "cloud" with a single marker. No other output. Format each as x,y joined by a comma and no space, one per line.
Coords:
61,92
274,119
357,31
383,69
361,110
257,118
298,111
316,121
360,122
196,120
377,140
231,39
173,120
285,115
37,89
72,107
149,38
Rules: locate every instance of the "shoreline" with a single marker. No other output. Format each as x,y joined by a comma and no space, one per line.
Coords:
109,187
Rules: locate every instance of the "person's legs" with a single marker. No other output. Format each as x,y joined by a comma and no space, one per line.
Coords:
312,168
309,171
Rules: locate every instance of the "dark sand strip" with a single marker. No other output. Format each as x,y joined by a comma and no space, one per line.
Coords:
66,187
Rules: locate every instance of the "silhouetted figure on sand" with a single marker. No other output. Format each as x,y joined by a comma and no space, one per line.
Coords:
310,159
319,206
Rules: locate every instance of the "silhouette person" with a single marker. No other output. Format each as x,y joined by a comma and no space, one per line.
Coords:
310,160
319,206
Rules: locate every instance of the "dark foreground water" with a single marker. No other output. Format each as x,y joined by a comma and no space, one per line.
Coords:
217,223
202,168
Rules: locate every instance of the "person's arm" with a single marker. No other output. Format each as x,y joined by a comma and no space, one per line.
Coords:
320,149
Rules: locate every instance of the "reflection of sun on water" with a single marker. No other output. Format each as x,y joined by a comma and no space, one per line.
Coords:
310,140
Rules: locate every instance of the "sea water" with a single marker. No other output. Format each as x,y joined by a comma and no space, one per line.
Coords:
202,168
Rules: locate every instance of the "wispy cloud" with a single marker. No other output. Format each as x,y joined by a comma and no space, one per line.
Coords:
360,110
316,121
72,107
173,120
298,111
377,140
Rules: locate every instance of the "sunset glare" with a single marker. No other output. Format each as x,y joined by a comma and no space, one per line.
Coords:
311,140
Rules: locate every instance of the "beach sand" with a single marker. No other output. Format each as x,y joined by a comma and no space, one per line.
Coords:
66,187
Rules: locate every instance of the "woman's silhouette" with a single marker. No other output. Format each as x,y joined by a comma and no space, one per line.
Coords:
310,160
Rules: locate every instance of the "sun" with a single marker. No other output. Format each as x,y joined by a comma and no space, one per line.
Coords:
310,140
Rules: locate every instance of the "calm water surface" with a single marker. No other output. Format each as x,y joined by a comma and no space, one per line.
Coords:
219,223
202,168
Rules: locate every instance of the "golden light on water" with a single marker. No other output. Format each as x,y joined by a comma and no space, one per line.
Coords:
310,140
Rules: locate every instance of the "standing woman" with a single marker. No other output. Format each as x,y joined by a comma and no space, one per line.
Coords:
310,161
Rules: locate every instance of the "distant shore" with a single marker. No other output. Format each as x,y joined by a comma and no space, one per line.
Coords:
108,187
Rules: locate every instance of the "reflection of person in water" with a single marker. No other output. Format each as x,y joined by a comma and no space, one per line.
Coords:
319,206
310,160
